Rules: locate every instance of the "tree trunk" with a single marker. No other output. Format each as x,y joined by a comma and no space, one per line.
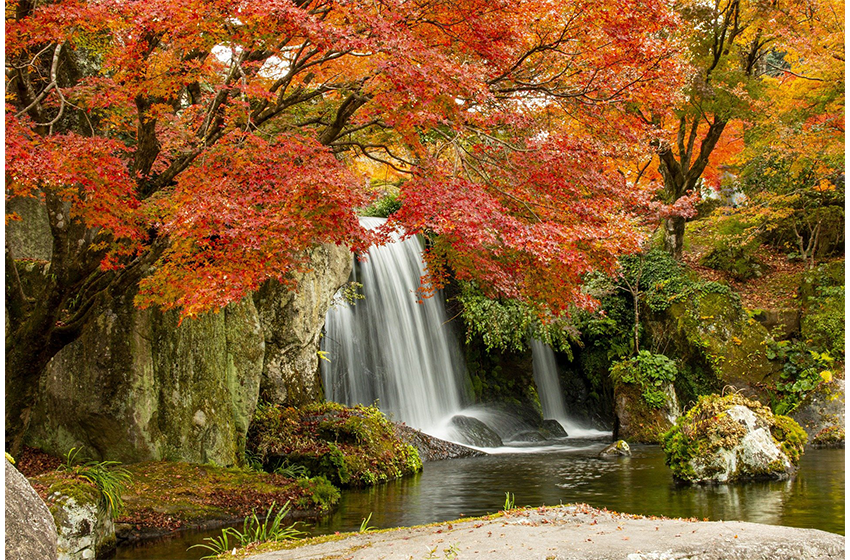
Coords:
674,236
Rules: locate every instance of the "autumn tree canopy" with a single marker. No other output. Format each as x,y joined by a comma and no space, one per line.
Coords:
193,150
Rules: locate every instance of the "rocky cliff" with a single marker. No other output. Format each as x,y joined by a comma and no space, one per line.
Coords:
140,385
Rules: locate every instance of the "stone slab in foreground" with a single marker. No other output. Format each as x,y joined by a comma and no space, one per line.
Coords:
578,532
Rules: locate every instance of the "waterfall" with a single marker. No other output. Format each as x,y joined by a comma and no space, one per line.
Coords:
546,378
551,394
389,347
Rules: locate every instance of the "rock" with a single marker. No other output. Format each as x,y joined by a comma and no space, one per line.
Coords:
783,323
822,414
292,326
475,432
730,439
83,520
721,345
554,428
184,392
565,533
30,529
530,436
638,422
431,448
617,448
165,390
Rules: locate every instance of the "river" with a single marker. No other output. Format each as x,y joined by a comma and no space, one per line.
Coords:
569,473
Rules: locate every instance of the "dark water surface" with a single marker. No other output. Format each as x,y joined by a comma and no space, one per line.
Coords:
641,484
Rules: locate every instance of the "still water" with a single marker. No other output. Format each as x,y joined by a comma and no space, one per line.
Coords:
639,484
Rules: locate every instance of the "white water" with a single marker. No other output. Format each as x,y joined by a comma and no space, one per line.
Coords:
551,394
390,348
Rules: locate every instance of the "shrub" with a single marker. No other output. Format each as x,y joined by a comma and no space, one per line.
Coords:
822,325
802,371
107,476
651,372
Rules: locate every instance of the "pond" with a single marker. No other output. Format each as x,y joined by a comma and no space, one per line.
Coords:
568,473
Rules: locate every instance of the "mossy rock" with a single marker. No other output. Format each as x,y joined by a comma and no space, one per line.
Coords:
732,439
349,446
82,515
637,422
713,329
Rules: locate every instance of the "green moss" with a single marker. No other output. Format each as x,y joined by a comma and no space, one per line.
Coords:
790,436
188,493
348,446
707,430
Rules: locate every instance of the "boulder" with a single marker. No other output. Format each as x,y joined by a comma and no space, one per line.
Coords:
30,529
638,422
554,428
83,520
166,390
616,449
731,439
719,343
431,448
475,432
185,391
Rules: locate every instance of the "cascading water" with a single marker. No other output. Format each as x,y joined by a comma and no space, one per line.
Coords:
551,394
546,378
391,348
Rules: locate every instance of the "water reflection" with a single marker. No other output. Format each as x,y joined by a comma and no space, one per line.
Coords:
641,484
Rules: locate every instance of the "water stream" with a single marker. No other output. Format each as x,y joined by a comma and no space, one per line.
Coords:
390,347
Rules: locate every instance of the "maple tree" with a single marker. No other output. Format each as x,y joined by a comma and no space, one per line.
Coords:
190,151
735,49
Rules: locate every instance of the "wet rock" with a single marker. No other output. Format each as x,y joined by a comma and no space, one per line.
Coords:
475,432
431,448
30,529
730,439
530,436
616,449
554,428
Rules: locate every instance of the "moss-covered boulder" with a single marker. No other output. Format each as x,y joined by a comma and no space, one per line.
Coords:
164,390
184,391
82,514
350,446
718,341
732,439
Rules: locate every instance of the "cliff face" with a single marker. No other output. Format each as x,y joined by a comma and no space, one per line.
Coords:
138,385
